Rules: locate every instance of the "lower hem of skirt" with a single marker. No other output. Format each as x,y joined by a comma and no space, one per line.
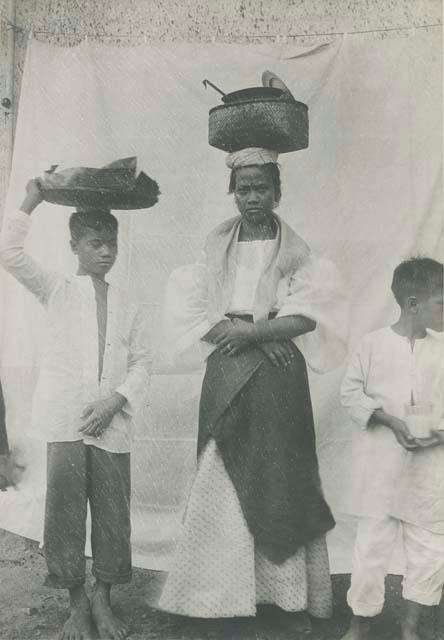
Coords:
221,590
198,613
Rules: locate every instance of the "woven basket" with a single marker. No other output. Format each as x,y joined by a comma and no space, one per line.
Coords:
280,124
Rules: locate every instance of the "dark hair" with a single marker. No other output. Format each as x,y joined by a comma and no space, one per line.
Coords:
417,277
275,175
95,219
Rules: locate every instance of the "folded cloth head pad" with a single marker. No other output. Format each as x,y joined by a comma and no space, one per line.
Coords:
251,156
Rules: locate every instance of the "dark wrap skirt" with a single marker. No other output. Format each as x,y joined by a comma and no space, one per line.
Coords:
261,418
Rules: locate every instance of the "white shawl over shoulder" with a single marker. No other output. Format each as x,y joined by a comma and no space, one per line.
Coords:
295,281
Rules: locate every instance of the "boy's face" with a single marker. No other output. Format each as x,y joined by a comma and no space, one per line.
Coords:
96,252
431,312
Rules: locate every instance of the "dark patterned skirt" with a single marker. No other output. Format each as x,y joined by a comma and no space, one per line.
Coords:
261,418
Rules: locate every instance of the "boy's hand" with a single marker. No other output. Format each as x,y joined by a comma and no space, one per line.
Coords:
10,470
33,196
279,352
5,472
402,433
435,439
98,415
439,434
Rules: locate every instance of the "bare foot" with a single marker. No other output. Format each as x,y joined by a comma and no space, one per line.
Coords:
109,626
359,629
409,633
296,625
79,624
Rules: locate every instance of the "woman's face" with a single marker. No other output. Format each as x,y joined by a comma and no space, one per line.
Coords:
254,194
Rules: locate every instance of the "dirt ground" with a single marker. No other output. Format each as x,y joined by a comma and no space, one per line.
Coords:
28,610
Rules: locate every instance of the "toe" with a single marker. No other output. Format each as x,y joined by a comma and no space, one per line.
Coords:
122,632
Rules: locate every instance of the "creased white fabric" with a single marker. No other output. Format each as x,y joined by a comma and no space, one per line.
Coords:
314,290
386,479
365,194
250,156
317,291
375,544
217,571
250,260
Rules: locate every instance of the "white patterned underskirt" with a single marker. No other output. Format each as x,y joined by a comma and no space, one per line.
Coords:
217,572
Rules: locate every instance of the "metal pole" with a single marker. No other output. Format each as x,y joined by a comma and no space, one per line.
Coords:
10,61
10,110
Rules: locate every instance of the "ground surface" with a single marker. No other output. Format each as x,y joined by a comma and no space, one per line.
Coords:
28,610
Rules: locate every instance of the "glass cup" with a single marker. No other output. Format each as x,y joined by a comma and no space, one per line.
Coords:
420,418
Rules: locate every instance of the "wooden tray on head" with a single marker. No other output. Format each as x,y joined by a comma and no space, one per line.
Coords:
114,186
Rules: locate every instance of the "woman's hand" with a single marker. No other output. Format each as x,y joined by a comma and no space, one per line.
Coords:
279,352
236,337
215,332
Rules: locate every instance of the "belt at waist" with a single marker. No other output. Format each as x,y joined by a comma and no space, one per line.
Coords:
247,317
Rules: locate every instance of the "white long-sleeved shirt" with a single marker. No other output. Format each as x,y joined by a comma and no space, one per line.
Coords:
385,373
69,371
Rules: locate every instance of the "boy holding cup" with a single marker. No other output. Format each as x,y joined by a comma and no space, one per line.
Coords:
394,389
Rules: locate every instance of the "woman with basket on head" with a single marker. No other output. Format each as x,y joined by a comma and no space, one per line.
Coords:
259,303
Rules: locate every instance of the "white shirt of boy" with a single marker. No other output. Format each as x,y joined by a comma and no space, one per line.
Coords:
69,372
386,373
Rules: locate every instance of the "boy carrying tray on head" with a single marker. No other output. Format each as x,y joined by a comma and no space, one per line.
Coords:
396,373
93,378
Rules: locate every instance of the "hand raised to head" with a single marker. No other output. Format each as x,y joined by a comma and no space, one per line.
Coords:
34,196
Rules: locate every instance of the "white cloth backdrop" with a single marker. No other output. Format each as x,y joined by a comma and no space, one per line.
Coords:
367,193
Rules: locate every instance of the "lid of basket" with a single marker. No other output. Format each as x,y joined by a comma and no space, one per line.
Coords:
255,93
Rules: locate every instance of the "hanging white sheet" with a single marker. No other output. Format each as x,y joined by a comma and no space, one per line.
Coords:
366,194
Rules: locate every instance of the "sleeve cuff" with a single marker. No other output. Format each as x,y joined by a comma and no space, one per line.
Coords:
21,215
193,336
362,414
128,407
17,222
19,219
